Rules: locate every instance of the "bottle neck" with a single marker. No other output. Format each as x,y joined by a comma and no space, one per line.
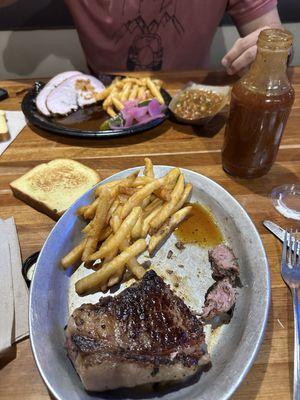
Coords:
268,74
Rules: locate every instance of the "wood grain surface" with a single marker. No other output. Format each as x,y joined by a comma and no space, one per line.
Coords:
198,149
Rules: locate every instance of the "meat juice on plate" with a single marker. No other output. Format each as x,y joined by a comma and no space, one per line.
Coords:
200,228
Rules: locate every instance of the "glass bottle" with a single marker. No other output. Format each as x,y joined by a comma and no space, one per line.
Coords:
261,102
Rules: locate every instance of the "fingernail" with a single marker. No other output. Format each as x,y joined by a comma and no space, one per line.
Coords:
224,62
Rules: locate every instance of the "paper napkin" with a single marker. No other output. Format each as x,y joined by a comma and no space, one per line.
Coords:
13,289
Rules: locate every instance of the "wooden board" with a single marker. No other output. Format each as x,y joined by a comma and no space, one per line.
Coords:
195,148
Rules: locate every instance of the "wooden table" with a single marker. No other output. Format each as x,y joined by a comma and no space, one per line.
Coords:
173,144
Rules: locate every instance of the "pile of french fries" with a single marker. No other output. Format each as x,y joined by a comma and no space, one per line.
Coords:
123,215
121,90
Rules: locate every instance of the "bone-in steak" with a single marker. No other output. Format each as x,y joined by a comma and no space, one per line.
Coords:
145,334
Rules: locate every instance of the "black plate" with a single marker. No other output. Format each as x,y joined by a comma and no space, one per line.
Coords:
53,125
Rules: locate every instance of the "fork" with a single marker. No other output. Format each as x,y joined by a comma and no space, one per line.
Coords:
290,272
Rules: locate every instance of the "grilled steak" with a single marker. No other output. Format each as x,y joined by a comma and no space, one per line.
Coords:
220,298
145,334
223,263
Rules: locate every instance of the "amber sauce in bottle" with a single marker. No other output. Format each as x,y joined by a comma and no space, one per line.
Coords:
259,109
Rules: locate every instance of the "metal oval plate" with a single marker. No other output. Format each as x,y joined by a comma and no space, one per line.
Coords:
233,350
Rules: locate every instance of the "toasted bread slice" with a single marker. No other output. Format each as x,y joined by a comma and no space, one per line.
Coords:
53,187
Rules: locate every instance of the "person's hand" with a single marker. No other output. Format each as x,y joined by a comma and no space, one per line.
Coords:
242,53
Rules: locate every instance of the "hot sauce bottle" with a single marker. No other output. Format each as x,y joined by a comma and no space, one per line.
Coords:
261,102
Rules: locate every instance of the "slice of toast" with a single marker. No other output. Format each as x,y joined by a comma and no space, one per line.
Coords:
53,187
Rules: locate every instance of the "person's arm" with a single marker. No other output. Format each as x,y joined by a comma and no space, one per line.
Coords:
243,52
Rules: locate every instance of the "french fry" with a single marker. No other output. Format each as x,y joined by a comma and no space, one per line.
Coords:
81,210
74,255
137,198
133,93
94,281
141,94
103,235
98,223
148,171
107,185
152,206
128,181
167,228
154,91
187,190
114,242
120,84
168,208
163,194
122,198
112,209
135,268
110,111
116,278
103,95
132,80
89,213
117,103
128,191
137,229
126,90
133,265
107,102
142,180
145,202
170,181
157,82
148,219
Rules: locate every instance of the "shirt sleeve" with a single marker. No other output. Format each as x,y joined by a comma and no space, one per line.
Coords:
244,11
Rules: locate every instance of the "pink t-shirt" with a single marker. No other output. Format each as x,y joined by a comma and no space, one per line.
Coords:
132,35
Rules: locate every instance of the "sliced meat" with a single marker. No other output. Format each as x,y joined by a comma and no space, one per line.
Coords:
223,263
72,93
220,298
86,89
53,83
145,334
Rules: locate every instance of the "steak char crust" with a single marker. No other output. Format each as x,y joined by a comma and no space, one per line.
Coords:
144,334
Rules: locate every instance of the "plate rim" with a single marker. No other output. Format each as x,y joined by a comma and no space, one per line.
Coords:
267,297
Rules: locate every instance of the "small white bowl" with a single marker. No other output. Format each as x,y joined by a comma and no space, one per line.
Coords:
224,90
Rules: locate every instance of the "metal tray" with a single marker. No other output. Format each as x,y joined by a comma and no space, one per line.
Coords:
232,347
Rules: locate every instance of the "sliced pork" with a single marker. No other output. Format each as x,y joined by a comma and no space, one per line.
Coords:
145,334
53,83
72,93
223,263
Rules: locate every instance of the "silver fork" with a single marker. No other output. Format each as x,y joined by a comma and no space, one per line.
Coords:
290,272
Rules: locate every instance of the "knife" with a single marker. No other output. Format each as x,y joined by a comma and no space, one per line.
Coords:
277,231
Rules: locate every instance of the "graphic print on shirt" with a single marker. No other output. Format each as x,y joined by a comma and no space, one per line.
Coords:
146,51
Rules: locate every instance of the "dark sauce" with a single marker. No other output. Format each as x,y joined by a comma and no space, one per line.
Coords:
254,129
200,228
86,119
